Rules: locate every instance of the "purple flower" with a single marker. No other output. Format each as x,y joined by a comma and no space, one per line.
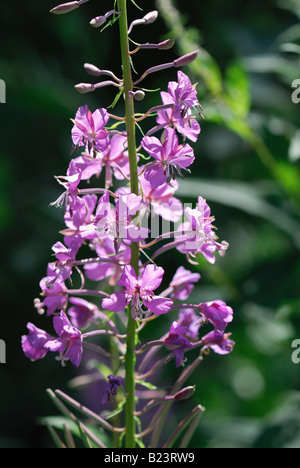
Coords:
198,233
219,342
54,289
162,199
182,283
114,159
217,313
169,156
139,289
66,255
89,129
112,388
36,345
110,262
69,342
184,97
71,339
79,213
177,342
192,323
186,124
82,312
119,222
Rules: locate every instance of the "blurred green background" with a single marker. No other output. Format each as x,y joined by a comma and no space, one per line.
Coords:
247,167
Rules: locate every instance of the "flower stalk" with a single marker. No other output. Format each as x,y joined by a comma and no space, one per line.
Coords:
130,358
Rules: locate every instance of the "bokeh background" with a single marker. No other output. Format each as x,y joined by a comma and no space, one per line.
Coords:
247,167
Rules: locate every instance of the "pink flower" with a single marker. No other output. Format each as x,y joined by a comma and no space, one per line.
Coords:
139,289
114,159
192,323
169,156
182,283
81,312
186,124
217,313
68,343
184,97
177,342
119,222
219,342
89,129
198,233
54,289
110,260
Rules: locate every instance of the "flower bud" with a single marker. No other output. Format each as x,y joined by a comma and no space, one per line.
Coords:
83,88
92,69
65,8
150,17
139,95
166,45
185,393
186,59
98,21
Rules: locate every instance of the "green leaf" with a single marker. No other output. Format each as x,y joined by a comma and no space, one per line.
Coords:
238,89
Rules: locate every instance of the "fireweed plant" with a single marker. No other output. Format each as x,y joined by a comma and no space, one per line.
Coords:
124,253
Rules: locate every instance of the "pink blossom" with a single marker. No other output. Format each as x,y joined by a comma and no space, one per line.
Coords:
184,97
186,124
198,236
139,289
89,129
68,343
217,313
54,289
119,221
169,156
177,342
219,342
110,261
114,159
182,283
81,312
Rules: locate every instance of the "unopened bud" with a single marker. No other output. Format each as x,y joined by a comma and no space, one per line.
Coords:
150,17
185,393
83,88
98,21
65,8
186,59
166,45
138,95
92,69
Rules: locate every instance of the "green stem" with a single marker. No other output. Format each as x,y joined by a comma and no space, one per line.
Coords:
130,358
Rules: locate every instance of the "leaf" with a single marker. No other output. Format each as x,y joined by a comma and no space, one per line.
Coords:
60,422
238,89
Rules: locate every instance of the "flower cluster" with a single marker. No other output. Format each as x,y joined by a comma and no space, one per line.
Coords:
108,222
